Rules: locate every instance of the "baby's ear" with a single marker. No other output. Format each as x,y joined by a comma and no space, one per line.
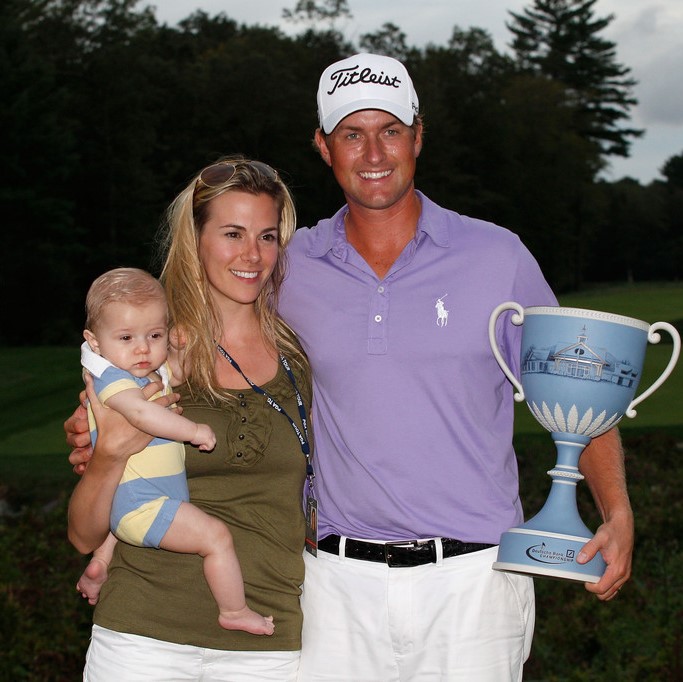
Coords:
92,341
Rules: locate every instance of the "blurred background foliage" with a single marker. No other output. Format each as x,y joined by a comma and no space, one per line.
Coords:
106,113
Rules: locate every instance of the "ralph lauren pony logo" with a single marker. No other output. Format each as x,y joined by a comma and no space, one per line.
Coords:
441,312
351,76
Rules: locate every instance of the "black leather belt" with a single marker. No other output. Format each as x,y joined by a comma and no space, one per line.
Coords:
400,554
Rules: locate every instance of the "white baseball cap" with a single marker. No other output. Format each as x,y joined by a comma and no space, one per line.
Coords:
365,81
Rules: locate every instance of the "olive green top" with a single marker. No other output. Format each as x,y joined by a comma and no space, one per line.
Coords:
253,480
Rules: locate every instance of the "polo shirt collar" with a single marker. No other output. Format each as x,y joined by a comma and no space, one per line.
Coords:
433,221
330,234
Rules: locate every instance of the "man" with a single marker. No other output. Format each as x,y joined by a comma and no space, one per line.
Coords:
412,415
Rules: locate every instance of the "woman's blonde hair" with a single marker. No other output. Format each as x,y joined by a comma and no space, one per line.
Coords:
192,311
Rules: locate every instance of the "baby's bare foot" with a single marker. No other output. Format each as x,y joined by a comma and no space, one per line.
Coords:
247,620
94,576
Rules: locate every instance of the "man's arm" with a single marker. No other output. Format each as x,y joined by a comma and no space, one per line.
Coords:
78,436
602,464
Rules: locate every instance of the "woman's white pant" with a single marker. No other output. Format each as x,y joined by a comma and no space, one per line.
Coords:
121,657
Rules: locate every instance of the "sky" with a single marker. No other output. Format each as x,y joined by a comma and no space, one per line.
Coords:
648,35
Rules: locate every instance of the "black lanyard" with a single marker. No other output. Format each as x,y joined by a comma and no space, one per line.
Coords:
301,435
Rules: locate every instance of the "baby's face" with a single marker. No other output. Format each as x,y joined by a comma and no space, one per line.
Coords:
134,337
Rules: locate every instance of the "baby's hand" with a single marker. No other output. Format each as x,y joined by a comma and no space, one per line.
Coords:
204,437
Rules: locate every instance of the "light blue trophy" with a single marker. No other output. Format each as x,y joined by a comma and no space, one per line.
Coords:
579,373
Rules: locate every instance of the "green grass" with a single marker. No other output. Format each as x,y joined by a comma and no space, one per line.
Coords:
41,390
40,386
652,302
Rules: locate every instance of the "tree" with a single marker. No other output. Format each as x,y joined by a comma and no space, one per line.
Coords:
314,12
38,155
635,228
460,95
388,40
560,39
105,114
673,171
541,171
670,261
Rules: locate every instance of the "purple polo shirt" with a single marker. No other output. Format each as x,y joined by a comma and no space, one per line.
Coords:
412,416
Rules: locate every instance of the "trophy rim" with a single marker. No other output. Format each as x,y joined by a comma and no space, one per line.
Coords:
588,314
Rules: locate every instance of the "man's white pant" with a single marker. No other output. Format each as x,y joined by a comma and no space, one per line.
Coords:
121,657
456,620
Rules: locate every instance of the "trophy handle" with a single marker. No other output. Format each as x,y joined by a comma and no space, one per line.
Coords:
516,319
654,337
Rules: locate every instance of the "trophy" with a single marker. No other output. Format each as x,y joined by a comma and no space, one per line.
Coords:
579,373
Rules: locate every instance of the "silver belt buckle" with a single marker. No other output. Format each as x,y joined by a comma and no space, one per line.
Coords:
402,560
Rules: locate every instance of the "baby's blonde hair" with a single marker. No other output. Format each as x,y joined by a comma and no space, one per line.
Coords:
120,285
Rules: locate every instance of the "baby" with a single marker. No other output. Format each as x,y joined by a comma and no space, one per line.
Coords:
126,348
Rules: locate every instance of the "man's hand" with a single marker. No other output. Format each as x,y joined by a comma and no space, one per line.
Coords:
602,463
614,539
78,435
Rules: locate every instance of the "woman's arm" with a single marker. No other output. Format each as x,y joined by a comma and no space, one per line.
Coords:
91,501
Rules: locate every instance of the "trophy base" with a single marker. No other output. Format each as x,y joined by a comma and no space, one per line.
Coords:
547,554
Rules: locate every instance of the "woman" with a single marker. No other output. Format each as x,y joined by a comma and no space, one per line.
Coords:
249,379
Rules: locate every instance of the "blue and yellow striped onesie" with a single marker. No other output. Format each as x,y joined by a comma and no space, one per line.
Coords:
154,483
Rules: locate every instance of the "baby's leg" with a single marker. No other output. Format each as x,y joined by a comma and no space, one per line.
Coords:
195,532
96,572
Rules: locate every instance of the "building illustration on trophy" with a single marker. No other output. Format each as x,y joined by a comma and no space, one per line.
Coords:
581,361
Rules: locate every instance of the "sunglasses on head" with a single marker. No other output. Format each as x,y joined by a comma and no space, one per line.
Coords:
219,173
